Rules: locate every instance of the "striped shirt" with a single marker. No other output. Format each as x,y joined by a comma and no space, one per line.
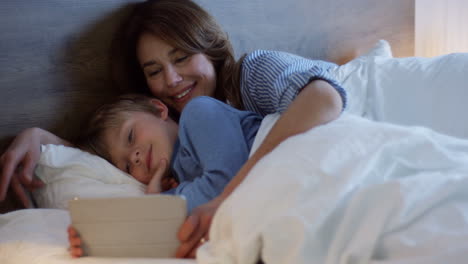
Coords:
271,80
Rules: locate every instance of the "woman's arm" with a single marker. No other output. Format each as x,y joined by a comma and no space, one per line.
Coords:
317,103
19,160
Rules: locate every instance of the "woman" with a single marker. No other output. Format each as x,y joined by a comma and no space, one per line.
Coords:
175,50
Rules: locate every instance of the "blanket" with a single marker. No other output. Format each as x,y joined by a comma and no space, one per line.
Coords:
351,191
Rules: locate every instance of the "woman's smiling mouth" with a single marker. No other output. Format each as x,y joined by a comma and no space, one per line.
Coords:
184,94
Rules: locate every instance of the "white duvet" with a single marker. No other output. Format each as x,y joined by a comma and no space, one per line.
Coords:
352,191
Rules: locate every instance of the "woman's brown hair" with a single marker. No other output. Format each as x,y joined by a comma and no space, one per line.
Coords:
184,25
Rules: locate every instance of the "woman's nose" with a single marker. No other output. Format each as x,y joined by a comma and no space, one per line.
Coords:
172,77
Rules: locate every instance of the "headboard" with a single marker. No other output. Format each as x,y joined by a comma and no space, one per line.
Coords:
54,53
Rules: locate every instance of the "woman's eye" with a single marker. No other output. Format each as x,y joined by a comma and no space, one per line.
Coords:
153,73
181,59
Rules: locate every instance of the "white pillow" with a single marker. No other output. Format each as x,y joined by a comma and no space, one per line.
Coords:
354,76
69,172
429,92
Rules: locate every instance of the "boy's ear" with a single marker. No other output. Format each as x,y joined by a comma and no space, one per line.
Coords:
161,107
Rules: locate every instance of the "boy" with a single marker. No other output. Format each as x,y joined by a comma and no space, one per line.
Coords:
203,152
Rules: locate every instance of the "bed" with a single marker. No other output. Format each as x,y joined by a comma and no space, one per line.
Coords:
53,61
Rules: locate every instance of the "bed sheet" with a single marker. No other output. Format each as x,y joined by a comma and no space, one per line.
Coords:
351,191
38,236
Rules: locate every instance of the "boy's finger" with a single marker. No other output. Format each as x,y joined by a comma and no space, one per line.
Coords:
168,183
155,184
161,169
165,184
73,238
173,183
75,241
76,252
72,231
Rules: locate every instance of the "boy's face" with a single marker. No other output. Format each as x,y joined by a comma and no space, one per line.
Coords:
139,144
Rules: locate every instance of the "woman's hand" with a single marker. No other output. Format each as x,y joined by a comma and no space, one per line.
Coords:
19,160
194,231
75,243
18,164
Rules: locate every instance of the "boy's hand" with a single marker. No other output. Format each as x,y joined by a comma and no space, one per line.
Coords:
168,183
75,243
154,186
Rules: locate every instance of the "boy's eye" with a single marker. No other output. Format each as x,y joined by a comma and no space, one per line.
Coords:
130,136
127,168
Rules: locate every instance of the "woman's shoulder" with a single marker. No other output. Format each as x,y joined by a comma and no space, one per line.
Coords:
260,61
269,61
262,55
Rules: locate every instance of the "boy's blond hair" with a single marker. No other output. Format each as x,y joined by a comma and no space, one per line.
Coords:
112,116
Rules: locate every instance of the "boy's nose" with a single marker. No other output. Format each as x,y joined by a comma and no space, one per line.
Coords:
136,159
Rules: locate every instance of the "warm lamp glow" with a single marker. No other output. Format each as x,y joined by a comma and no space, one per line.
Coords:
441,27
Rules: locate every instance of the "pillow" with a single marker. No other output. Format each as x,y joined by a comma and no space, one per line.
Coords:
429,92
70,172
354,77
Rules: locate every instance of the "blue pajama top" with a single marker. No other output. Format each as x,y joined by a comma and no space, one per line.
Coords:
214,142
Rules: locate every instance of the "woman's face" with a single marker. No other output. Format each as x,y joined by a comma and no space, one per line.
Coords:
172,75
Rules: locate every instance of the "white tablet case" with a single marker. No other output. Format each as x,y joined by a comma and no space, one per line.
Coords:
131,227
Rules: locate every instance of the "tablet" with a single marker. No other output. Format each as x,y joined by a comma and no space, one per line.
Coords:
144,226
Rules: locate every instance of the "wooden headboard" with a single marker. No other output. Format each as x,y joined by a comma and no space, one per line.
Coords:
54,53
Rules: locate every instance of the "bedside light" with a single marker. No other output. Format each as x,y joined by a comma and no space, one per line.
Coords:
441,27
